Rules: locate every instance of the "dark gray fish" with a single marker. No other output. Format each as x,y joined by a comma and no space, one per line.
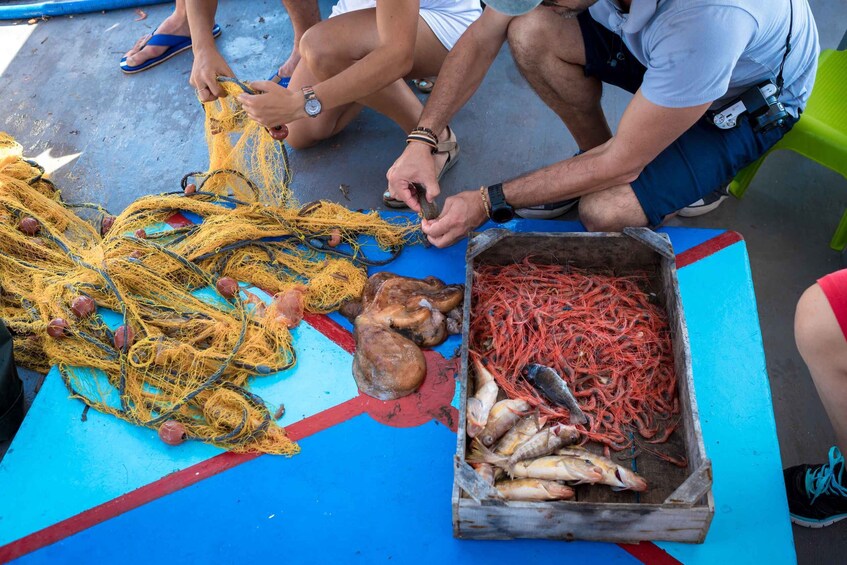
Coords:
548,382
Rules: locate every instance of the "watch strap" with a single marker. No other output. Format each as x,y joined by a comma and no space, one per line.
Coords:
501,211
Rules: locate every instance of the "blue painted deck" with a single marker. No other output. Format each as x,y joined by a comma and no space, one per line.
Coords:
104,490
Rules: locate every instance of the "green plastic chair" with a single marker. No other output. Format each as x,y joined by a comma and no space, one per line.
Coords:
821,134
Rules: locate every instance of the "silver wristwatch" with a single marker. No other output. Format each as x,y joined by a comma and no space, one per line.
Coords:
313,105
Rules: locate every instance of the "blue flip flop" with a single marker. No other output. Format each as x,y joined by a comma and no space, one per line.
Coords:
175,44
282,81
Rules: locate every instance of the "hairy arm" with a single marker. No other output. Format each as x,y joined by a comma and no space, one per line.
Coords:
460,76
208,63
464,68
645,130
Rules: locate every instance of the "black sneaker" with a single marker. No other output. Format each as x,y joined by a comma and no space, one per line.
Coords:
817,496
547,211
705,204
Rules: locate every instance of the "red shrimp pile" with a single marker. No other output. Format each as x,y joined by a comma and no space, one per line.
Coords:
601,333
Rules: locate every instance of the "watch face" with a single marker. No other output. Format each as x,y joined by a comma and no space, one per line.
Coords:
313,107
502,215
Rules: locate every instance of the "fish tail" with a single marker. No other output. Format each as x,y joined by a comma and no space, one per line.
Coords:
481,454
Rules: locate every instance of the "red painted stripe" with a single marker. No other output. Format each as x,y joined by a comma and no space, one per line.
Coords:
648,552
707,248
121,504
177,220
333,330
169,484
328,418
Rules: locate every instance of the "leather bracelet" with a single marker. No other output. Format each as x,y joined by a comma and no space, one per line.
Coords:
421,129
426,140
485,203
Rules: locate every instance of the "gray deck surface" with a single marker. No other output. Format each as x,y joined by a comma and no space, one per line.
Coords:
119,137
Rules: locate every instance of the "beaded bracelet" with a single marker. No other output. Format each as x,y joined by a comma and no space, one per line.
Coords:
423,138
485,203
425,131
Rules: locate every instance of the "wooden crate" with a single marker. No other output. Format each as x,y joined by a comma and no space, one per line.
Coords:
679,505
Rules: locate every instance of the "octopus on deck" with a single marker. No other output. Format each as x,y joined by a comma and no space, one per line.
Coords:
394,319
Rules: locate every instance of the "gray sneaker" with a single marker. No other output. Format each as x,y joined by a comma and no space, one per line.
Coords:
705,204
547,211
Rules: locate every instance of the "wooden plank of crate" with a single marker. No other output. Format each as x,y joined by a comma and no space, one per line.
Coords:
620,523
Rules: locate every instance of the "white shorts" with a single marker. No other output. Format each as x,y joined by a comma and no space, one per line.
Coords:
448,19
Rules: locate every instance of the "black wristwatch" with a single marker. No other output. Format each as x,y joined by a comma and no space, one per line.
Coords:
501,211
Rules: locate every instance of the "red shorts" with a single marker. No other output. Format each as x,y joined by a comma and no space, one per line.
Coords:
834,286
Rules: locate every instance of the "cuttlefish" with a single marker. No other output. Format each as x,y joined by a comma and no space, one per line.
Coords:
394,319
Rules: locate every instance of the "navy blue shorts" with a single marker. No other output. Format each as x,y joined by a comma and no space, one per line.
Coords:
702,160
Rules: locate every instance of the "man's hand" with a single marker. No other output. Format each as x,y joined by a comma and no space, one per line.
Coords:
273,105
416,164
208,66
462,213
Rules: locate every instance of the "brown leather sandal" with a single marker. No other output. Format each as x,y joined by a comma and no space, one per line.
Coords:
449,146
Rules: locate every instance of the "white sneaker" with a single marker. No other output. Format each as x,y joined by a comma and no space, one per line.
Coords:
705,204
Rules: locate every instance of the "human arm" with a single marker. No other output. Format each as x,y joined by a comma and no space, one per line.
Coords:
208,63
460,76
354,73
645,130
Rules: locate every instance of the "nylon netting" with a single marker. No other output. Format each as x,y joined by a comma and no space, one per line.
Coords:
189,359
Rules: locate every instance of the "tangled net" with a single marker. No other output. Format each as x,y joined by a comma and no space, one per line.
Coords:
601,333
184,359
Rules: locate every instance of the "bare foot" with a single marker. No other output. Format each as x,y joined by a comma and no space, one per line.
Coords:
287,68
141,52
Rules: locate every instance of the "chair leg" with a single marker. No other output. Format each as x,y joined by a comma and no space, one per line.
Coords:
742,180
839,238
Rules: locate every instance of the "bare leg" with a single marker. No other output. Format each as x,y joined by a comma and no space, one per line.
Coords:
549,52
332,46
304,14
824,349
611,210
175,24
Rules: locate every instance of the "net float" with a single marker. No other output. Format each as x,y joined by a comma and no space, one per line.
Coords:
190,188
30,225
279,132
57,327
83,306
227,286
334,238
106,224
124,336
172,432
140,233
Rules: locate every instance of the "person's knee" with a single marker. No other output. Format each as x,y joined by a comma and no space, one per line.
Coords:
527,36
816,330
321,53
303,136
610,212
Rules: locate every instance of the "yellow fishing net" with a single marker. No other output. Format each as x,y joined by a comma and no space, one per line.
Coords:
186,359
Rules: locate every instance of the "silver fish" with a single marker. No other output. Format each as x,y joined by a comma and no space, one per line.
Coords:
545,442
614,475
503,416
485,470
527,427
534,490
479,406
548,382
558,468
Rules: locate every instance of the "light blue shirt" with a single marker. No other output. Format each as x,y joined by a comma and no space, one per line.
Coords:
699,51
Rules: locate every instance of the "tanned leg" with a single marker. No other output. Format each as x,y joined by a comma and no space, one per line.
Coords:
332,46
824,349
550,54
